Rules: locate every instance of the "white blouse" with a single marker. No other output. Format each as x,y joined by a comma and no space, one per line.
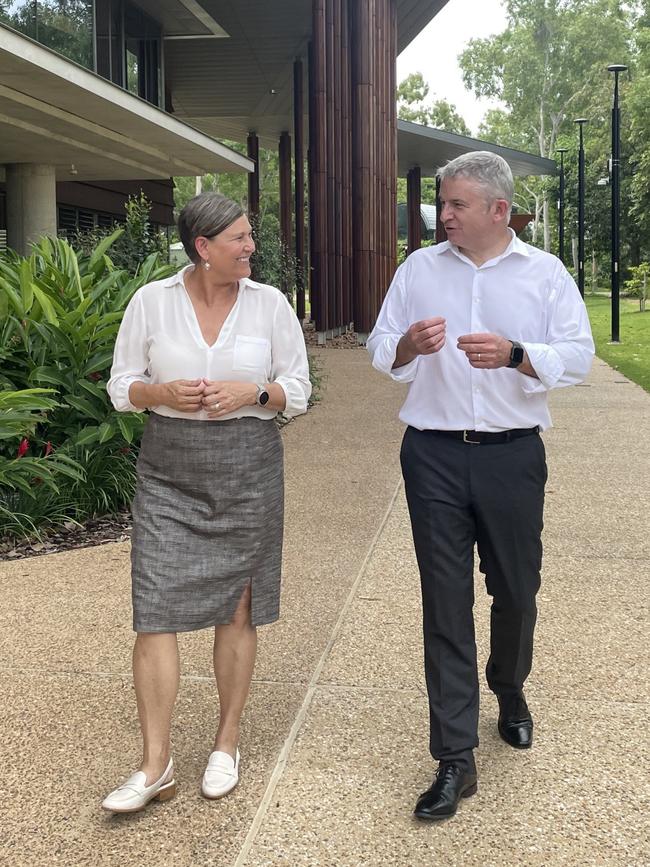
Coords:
160,340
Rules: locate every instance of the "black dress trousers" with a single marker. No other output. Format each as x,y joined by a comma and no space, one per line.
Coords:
460,494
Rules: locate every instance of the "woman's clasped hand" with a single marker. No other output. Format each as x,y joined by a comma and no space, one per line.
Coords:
216,398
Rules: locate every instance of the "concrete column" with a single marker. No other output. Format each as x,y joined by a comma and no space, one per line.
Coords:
31,204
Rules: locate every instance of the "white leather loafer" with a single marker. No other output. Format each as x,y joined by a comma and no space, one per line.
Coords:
133,795
221,775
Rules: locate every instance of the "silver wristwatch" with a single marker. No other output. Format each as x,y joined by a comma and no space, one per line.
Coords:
262,396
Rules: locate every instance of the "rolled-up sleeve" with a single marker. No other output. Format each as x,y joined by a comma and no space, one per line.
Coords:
289,365
130,358
566,356
392,323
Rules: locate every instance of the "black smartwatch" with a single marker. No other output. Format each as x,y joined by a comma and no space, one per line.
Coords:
516,354
262,396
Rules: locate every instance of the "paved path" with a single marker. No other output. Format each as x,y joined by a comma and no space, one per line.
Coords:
335,736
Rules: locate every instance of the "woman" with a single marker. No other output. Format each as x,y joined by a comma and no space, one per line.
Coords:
214,356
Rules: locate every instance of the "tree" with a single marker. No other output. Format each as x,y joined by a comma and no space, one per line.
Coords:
411,105
548,67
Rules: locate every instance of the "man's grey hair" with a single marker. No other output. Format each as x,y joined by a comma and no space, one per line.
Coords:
490,171
205,215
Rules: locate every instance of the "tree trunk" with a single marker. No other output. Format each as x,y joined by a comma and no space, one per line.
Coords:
547,223
594,271
574,252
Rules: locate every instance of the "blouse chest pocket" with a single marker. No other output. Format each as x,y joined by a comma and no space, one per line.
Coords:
251,354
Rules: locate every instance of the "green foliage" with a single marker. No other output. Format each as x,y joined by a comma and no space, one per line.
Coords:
411,95
637,285
549,67
133,243
59,315
272,262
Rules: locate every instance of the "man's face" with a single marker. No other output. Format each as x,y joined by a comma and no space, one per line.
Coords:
471,219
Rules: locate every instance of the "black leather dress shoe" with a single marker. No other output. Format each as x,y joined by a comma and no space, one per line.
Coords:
452,783
515,722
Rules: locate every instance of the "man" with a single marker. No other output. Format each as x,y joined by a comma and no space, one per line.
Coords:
481,326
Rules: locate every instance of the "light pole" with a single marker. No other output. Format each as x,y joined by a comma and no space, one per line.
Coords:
581,121
561,152
616,68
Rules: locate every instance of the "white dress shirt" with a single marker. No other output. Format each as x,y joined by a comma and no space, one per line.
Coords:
160,340
525,295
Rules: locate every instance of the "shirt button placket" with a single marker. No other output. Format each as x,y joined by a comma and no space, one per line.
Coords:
477,327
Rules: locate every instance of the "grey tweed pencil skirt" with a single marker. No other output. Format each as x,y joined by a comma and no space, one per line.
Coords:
208,519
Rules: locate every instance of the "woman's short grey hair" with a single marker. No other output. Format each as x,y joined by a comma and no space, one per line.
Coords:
490,171
205,215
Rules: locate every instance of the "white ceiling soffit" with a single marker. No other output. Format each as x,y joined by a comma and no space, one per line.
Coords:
183,19
231,86
412,17
55,112
431,148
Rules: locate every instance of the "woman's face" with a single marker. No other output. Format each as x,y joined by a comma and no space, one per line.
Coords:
229,252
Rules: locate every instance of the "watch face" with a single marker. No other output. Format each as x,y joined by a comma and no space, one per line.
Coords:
517,354
263,398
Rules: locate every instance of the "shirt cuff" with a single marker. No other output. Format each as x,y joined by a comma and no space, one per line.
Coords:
119,393
384,358
296,395
547,364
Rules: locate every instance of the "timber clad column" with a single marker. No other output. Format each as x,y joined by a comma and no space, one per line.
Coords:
284,154
441,234
318,168
253,150
414,200
374,135
352,160
299,175
31,205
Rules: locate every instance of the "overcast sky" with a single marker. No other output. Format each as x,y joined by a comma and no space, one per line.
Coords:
435,51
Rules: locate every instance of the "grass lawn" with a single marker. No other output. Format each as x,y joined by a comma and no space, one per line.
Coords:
632,355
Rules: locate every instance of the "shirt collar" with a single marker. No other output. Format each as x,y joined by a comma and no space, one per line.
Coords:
516,245
177,279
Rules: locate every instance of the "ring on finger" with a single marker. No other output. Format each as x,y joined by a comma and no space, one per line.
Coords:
478,357
216,404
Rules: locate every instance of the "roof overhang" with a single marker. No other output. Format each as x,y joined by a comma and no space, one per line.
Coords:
55,112
254,65
431,148
412,17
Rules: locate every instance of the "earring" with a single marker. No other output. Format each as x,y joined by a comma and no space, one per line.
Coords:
206,265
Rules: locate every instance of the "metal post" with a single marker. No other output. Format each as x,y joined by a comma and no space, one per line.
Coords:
561,152
581,121
616,68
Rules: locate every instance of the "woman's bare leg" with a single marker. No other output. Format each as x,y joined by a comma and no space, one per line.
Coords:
235,646
156,673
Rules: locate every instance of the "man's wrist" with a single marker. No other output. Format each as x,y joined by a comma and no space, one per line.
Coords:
405,353
517,354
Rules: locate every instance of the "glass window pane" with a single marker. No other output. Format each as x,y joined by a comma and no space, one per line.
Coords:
65,26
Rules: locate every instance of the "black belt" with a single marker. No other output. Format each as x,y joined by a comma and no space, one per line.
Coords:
479,437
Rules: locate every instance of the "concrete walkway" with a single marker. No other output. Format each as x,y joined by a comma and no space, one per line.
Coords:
335,737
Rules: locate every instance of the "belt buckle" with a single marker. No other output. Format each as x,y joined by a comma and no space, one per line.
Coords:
472,442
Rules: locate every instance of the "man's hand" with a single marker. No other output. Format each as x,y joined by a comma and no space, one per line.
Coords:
422,338
183,395
486,351
221,398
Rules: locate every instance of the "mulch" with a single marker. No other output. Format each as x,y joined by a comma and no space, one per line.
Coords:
97,531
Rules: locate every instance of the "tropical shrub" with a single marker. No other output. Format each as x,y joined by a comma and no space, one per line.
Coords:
138,239
59,315
637,285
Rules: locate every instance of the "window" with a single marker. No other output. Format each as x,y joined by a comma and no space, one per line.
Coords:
65,26
128,48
